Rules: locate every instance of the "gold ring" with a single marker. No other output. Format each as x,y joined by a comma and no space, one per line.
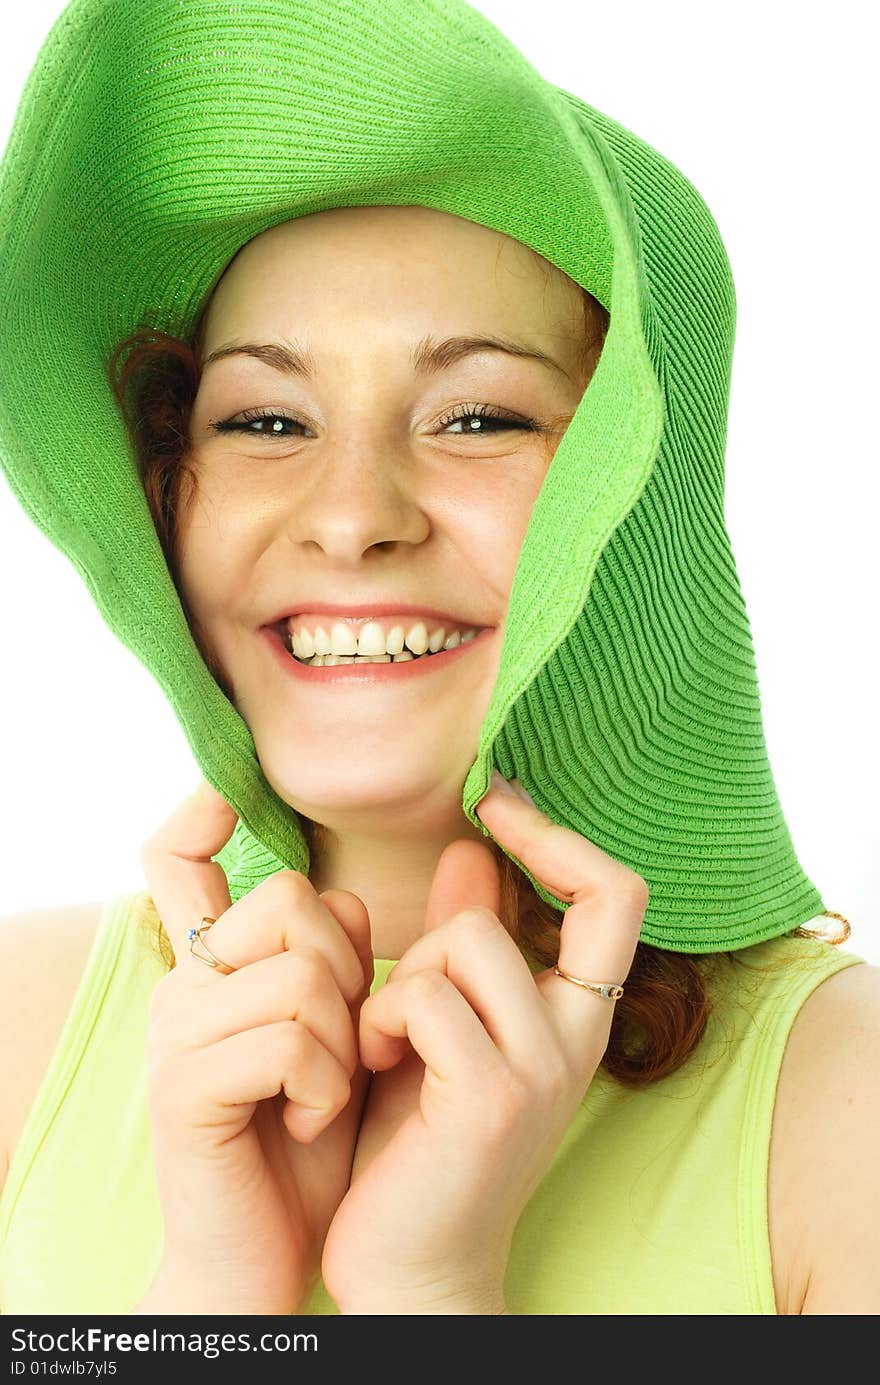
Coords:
206,955
609,989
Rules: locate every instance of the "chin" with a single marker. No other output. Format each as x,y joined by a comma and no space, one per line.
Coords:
332,793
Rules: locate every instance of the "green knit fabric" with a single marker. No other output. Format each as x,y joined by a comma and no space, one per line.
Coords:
153,140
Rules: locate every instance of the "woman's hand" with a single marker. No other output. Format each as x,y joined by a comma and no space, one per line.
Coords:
255,1088
480,1067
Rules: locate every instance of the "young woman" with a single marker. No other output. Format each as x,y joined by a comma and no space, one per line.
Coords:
398,460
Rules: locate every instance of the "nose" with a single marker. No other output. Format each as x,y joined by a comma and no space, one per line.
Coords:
359,493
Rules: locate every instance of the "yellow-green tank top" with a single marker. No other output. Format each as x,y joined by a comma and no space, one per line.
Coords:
655,1202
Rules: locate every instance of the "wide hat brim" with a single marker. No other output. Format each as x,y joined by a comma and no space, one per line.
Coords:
152,142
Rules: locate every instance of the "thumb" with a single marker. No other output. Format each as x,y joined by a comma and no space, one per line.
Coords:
466,877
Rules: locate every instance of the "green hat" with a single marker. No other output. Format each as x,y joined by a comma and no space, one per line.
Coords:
153,140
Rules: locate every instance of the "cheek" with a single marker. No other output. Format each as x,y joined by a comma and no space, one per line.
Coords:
211,544
497,525
198,581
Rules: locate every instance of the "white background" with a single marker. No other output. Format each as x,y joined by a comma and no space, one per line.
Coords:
766,109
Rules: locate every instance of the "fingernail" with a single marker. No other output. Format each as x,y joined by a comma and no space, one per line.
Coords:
523,793
499,783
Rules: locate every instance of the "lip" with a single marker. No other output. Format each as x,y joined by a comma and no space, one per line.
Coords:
360,674
357,614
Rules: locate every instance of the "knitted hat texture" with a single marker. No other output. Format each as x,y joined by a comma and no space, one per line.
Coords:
153,140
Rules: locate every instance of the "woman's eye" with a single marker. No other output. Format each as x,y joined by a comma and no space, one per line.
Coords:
245,424
475,419
471,420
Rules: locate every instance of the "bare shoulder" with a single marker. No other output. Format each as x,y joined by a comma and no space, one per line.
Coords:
42,956
823,1190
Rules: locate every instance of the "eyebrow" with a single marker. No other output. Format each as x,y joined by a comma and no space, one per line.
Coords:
427,357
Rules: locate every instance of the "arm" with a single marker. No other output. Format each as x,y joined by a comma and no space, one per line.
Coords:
834,1072
42,956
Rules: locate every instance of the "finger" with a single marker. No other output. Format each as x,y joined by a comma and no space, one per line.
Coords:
485,965
601,926
352,916
466,877
296,985
184,882
259,1063
282,911
425,1011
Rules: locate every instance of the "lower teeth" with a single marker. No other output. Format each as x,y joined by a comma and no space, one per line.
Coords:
331,660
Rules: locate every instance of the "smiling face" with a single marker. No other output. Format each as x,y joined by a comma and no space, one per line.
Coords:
385,472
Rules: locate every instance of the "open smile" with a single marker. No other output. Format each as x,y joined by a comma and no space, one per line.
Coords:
390,668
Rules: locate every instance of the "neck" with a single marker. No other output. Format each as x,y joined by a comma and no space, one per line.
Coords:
392,874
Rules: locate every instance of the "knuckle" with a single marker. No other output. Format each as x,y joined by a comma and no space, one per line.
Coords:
631,890
504,1109
155,846
427,985
284,888
175,1017
292,1043
167,1085
338,1091
355,984
477,922
309,967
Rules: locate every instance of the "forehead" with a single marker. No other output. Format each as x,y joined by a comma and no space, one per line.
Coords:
427,268
380,231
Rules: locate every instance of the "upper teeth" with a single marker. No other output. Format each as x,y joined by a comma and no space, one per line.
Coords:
373,638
